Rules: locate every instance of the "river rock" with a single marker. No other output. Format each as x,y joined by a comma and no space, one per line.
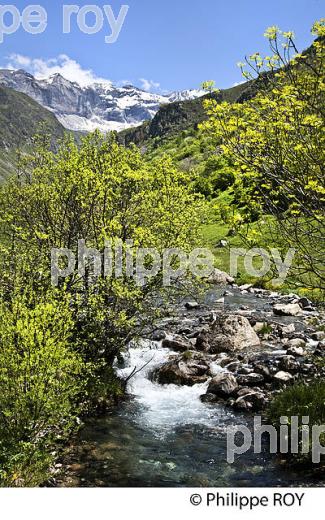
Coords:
250,379
245,370
283,377
245,287
318,336
287,330
158,335
234,366
290,309
263,370
182,372
244,390
224,360
320,349
296,342
305,303
209,398
228,334
252,400
220,278
190,306
289,364
223,385
296,351
176,344
202,341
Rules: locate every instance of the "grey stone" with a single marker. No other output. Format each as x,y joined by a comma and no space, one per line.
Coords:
289,364
253,401
291,309
220,278
181,372
158,335
192,305
223,385
231,333
250,379
283,377
175,344
296,351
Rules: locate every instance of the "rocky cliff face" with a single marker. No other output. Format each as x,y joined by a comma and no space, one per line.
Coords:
100,105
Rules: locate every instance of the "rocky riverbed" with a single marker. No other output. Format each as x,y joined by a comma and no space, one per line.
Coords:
247,354
211,364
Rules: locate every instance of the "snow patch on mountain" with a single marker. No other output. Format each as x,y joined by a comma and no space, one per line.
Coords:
100,106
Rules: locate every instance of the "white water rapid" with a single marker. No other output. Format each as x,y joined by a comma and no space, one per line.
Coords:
167,406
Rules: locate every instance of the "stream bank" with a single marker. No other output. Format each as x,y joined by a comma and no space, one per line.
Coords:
174,434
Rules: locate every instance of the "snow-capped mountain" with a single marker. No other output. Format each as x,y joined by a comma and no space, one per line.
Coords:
185,95
100,105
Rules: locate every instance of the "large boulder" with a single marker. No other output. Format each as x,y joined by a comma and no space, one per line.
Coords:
180,371
228,334
223,385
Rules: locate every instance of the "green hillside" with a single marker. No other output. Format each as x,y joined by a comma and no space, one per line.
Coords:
181,115
20,119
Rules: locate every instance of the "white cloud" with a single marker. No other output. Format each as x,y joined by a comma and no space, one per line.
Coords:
22,61
148,84
62,64
69,69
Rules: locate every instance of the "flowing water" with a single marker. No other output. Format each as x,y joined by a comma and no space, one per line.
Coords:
165,436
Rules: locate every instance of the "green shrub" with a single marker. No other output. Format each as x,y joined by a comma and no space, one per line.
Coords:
300,400
38,390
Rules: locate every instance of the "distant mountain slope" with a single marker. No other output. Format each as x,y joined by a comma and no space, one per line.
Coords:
181,115
100,105
20,118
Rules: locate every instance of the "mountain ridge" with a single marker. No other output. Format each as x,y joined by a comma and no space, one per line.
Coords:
99,105
181,115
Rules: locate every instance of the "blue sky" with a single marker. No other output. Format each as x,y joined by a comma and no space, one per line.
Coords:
164,44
